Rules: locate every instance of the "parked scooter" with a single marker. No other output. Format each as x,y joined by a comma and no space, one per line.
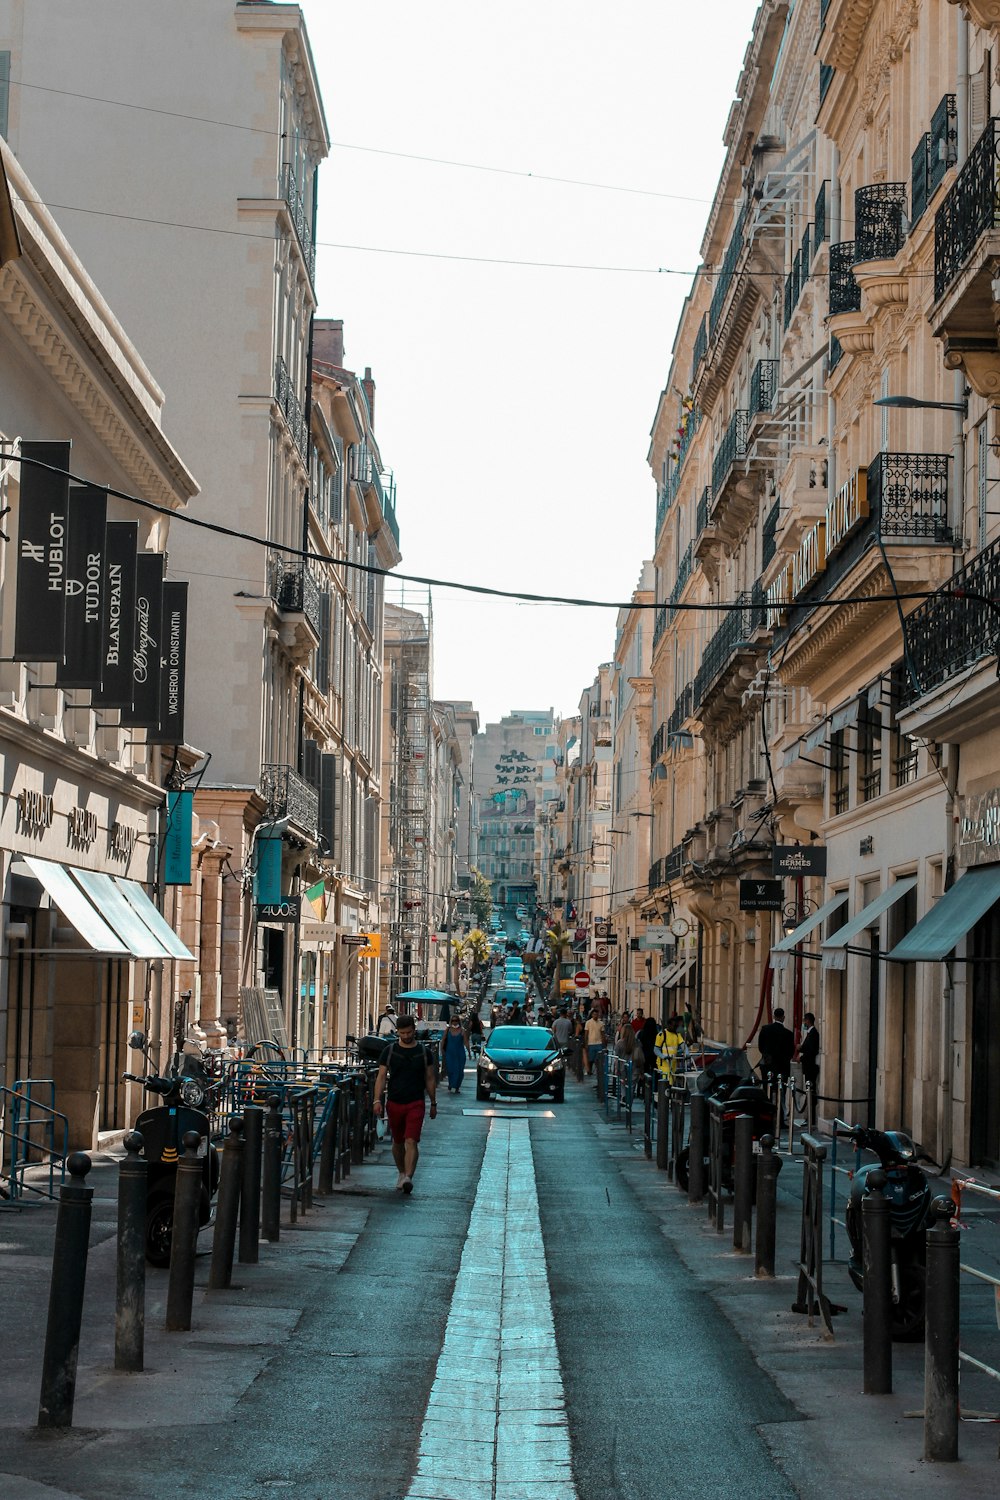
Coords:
183,1094
910,1195
730,1078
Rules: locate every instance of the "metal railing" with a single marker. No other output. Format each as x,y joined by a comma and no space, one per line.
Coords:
727,271
732,448
732,636
701,513
659,623
845,294
292,194
769,532
763,386
295,591
956,627
700,348
879,217
971,207
821,227
908,495
291,407
943,142
680,582
38,1137
288,795
682,709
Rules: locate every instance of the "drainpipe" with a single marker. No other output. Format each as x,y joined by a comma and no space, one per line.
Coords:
951,762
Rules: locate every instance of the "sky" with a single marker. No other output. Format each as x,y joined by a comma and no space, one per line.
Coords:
514,403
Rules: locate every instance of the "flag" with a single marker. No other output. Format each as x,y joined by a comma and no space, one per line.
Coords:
316,896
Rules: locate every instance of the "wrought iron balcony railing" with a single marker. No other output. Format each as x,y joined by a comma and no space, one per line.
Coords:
659,623
732,636
920,178
656,874
683,574
732,447
726,273
821,227
673,865
943,152
288,795
295,591
971,207
908,495
845,294
879,218
682,709
956,627
658,743
291,407
700,348
300,218
763,386
768,533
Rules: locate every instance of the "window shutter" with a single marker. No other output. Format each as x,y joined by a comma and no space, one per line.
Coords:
982,483
979,99
328,801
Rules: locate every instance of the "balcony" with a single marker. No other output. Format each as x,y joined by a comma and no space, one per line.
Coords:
956,627
733,639
821,225
798,277
736,481
680,582
682,710
287,795
291,408
732,448
845,294
763,387
936,151
700,348
292,194
658,744
879,214
908,496
294,589
659,624
966,249
726,273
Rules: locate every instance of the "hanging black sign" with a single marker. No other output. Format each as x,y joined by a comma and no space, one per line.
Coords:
88,520
798,859
279,911
170,730
145,710
117,615
39,622
761,895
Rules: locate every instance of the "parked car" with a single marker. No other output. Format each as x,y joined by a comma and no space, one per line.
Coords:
523,1061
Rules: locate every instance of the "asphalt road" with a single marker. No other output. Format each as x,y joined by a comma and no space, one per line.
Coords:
315,1377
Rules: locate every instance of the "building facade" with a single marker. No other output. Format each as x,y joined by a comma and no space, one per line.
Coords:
516,761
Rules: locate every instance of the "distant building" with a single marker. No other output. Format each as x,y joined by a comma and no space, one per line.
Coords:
515,769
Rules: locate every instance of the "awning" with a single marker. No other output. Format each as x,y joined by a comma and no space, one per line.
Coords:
846,717
815,919
119,915
665,975
949,919
154,919
680,972
74,905
835,946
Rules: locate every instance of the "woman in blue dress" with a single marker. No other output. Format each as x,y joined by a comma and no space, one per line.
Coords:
453,1055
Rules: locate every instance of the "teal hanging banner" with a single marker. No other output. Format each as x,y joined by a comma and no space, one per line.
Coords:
177,840
267,876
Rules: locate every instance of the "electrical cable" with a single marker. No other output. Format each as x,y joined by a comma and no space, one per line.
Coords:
307,555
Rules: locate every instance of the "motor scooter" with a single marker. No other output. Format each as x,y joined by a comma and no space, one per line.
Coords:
183,1092
910,1196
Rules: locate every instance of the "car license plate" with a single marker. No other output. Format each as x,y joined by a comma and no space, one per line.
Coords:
519,1077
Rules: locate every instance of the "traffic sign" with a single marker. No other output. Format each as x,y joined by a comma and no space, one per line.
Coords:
581,978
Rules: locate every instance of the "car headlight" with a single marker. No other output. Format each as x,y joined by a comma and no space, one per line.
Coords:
555,1066
487,1062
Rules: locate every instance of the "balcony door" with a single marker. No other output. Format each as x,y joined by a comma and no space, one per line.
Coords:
984,1133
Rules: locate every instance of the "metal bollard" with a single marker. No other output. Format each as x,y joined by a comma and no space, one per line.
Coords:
696,1148
602,1075
271,1188
184,1235
662,1115
130,1292
227,1208
941,1411
876,1315
253,1146
358,1136
347,1130
69,1275
647,1116
743,1185
768,1167
328,1150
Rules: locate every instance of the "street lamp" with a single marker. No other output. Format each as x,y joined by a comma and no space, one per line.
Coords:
795,912
909,402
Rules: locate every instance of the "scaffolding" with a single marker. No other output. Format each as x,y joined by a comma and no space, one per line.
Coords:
409,629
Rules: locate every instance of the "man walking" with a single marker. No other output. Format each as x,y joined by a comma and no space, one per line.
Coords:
594,1036
777,1044
809,1058
405,1073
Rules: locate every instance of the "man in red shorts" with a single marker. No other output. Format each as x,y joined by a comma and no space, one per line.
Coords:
405,1074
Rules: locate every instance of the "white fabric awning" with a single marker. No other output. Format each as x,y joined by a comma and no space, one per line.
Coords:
682,969
75,906
154,919
835,946
119,915
665,975
815,919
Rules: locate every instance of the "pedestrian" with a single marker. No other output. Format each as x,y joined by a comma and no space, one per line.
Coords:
475,1034
667,1047
809,1058
628,1052
647,1037
453,1055
638,1020
562,1028
595,1037
387,1021
405,1074
776,1045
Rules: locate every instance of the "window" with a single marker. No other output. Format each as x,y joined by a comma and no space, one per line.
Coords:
982,479
904,749
870,754
839,785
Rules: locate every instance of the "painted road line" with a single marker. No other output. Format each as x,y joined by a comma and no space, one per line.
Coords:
495,1426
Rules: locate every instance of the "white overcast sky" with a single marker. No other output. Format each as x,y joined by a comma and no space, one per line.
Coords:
514,404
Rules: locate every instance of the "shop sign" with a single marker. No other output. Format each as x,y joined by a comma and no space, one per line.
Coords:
122,841
657,934
979,829
170,730
278,911
761,895
82,827
357,940
88,522
177,839
144,710
117,615
602,930
39,616
34,812
372,945
797,859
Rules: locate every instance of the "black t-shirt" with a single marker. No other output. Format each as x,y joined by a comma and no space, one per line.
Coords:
407,1073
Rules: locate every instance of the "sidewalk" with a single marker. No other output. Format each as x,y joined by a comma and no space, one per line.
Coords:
851,1445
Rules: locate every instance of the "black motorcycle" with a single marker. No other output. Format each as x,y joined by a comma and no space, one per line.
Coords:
183,1092
730,1078
910,1195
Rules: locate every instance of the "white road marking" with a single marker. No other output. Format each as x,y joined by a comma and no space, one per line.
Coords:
495,1426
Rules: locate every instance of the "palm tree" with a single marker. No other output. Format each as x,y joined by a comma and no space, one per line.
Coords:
477,947
559,942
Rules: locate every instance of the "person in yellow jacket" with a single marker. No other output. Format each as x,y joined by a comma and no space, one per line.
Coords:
667,1048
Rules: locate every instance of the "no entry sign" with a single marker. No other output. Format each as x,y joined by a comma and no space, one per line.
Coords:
581,978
